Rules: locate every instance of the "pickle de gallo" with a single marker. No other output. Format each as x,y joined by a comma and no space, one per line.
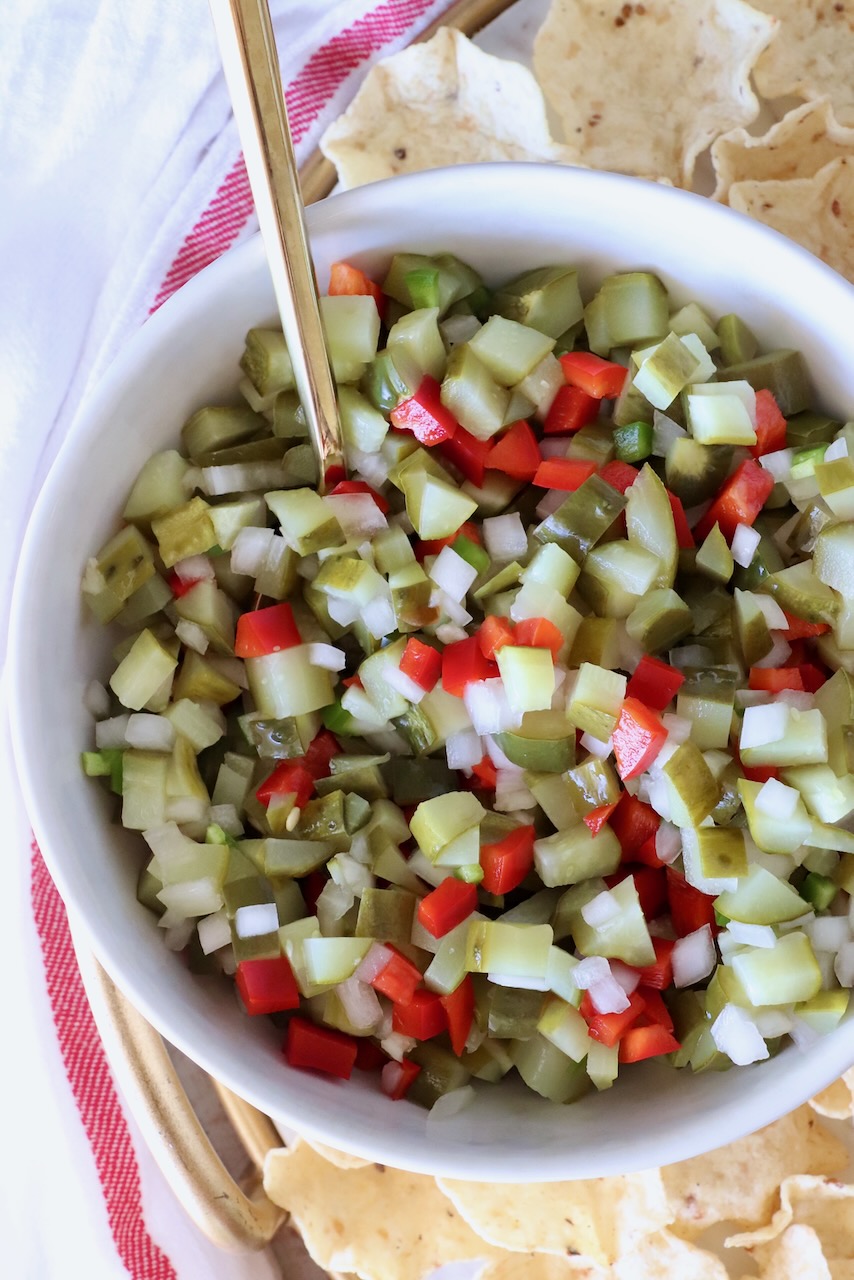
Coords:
528,746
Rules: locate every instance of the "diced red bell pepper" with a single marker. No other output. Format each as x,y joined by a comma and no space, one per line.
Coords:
570,410
321,749
619,475
609,1028
312,887
344,487
320,1049
462,663
739,501
684,536
486,775
181,586
659,975
369,1056
760,772
800,629
459,1010
422,663
424,414
689,908
397,1077
468,454
539,633
398,979
633,822
494,633
600,378
267,986
448,905
433,546
516,452
596,818
775,679
637,739
770,425
813,677
654,683
567,474
650,884
506,862
656,1011
640,1043
344,278
422,1017
647,854
264,631
290,777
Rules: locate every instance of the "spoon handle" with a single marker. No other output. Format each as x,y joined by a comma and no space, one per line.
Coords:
251,65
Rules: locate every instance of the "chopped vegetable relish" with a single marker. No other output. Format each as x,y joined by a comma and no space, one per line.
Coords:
528,746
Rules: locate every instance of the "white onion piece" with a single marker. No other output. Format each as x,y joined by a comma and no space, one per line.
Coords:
344,612
736,1035
549,503
601,909
775,798
111,733
780,653
450,633
803,1034
838,449
177,936
678,727
214,932
601,750
554,447
192,635
771,1023
487,705
608,996
658,796
333,902
375,960
188,811
257,919
451,608
195,569
694,957
751,935
512,793
745,542
450,1104
458,329
327,656
357,513
452,574
308,566
499,759
761,725
360,1003
243,477
249,550
798,699
668,843
192,897
828,933
232,668
778,464
227,817
464,749
629,979
96,700
397,1046
148,732
404,685
372,467
771,611
350,874
378,615
589,970
505,537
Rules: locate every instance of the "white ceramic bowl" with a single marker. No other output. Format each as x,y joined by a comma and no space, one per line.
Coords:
503,219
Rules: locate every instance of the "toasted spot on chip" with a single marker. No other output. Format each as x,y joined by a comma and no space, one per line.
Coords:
664,1256
837,1101
739,1183
796,1255
797,146
439,103
824,1204
379,1223
817,212
644,88
813,54
598,1220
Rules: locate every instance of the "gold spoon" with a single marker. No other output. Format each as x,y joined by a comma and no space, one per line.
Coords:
251,65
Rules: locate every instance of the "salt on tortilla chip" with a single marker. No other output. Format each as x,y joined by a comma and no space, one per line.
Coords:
664,1256
796,1255
341,1159
439,103
813,54
824,1204
797,146
837,1101
644,88
379,1223
740,1182
817,212
598,1219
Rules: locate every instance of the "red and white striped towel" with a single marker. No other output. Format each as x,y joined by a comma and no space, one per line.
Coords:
126,181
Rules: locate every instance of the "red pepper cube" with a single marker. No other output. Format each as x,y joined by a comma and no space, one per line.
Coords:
600,378
267,986
812,677
181,586
468,454
656,1010
684,536
422,663
290,777
654,683
447,906
800,629
343,487
320,751
424,414
650,885
596,818
266,631
459,1009
344,278
619,475
776,679
570,410
633,823
487,776
369,1055
398,979
652,1041
422,1018
516,453
506,862
760,772
609,1028
397,1077
739,501
690,909
539,633
637,739
462,663
659,975
567,474
494,633
319,1049
770,425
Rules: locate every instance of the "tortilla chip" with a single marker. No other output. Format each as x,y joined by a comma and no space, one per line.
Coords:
797,146
539,1266
796,1255
439,103
597,1219
381,1224
739,1183
824,1204
664,1256
341,1159
816,212
813,54
837,1101
644,88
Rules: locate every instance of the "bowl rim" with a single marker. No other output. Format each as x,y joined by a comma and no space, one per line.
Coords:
806,1075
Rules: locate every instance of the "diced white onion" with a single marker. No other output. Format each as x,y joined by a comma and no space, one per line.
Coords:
350,874
372,467
357,513
601,909
192,635
452,609
379,617
96,700
778,464
775,798
397,1046
464,749
629,979
243,477
838,449
771,611
549,503
232,668
343,611
373,963
553,447
751,935
111,733
511,792
505,537
664,432
195,569
487,705
327,656
608,996
404,685
736,1035
828,933
227,817
762,725
668,843
333,902
177,936
745,542
148,732
589,970
249,550
187,811
779,654
360,1003
499,759
458,329
256,919
452,574
802,1033
448,1105
601,750
678,727
771,1023
450,633
658,795
214,932
694,957
798,699
192,897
